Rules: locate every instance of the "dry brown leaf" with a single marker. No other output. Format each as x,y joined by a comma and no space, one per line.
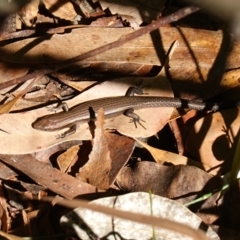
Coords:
120,148
63,46
212,140
67,159
61,9
28,13
45,155
161,156
47,176
96,170
184,183
4,213
141,11
204,45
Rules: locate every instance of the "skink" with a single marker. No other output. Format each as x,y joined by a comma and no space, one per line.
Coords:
113,106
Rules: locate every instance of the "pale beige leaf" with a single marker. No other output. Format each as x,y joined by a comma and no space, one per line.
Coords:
28,13
61,9
61,47
140,203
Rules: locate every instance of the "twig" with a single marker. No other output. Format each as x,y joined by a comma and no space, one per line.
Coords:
124,39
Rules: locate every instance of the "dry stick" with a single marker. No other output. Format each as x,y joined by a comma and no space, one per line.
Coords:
124,39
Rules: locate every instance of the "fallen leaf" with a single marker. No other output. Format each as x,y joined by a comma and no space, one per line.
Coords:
201,87
61,47
28,13
4,213
47,176
182,183
140,51
213,139
68,158
45,155
109,155
161,156
121,149
61,9
100,225
99,159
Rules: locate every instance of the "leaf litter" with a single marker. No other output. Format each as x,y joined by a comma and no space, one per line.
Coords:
104,160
